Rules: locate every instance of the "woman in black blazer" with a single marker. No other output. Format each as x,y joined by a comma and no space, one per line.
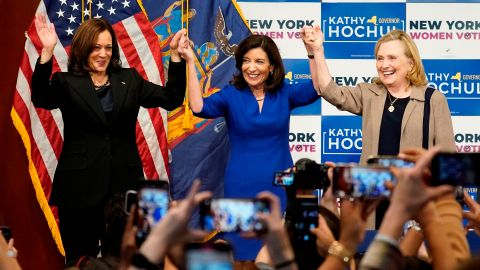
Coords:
99,102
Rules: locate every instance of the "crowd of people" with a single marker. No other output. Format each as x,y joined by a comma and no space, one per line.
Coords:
395,246
99,101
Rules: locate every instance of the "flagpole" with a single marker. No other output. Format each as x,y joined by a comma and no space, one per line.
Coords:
83,10
188,115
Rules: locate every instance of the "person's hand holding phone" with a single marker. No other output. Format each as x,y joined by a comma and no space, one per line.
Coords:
329,201
276,238
129,244
412,154
473,216
411,194
353,220
8,253
172,228
324,236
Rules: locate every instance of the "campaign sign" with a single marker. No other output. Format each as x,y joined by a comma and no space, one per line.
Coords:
452,31
341,138
459,81
304,137
352,29
467,133
282,22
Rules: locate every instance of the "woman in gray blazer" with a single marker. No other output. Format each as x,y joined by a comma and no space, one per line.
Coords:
393,106
99,101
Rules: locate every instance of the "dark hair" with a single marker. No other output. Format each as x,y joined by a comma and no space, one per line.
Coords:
84,42
275,80
115,219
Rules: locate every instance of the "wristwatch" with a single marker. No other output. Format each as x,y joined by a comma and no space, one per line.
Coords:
340,251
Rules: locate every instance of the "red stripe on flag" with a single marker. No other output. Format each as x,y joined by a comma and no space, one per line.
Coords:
128,48
42,172
158,126
144,151
152,40
46,118
155,115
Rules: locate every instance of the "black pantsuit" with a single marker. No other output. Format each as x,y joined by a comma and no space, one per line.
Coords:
99,155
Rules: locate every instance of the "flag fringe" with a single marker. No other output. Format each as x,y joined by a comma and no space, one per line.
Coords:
42,200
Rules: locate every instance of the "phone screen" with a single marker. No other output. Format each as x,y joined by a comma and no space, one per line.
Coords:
232,215
283,179
153,203
457,169
368,182
472,192
203,257
390,161
305,218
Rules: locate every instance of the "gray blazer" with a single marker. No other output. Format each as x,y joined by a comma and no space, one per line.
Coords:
368,100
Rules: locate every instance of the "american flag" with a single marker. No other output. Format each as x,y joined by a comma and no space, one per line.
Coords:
42,130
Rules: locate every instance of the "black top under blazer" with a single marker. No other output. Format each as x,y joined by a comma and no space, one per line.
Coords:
100,157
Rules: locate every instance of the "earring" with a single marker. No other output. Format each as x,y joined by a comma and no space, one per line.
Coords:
271,72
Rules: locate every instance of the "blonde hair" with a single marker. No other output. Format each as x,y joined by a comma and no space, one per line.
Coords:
416,75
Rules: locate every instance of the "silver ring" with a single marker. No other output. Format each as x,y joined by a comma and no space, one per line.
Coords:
11,253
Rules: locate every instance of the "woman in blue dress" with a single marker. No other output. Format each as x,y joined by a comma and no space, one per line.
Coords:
256,106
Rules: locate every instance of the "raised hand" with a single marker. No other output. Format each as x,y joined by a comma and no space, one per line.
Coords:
172,229
276,237
474,215
324,236
329,200
46,31
411,192
353,221
185,49
129,244
174,44
412,154
312,37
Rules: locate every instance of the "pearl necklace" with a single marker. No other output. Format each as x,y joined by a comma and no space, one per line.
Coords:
99,86
260,98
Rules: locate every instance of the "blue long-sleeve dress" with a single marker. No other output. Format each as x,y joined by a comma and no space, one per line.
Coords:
259,143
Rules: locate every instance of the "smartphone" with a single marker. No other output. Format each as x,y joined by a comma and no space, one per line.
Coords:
305,217
283,178
202,256
6,232
153,202
233,215
472,192
131,199
366,182
456,169
390,161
